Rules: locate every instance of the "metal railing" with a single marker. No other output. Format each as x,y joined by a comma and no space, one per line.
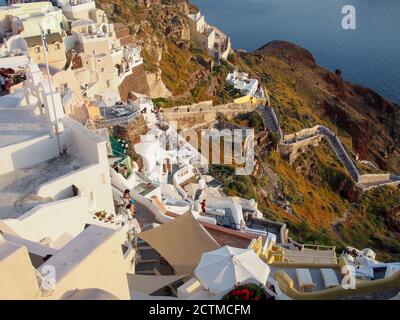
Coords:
124,119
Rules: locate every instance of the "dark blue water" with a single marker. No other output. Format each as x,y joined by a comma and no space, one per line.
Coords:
369,55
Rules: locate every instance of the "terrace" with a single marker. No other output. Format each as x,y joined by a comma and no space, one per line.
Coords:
18,188
33,174
119,114
276,228
316,276
19,124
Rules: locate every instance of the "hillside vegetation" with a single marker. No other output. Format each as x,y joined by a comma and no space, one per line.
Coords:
315,195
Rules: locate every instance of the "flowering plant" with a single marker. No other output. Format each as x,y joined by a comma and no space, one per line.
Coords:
249,292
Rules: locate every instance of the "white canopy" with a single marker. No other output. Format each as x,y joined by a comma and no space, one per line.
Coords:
222,269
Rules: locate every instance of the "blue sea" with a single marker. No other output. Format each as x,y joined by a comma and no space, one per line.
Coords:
368,55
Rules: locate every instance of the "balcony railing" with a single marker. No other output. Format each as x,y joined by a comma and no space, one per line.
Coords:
120,119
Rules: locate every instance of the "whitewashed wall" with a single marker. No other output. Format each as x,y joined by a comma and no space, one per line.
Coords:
29,152
65,216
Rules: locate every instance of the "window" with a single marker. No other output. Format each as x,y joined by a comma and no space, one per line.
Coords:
108,83
48,31
37,49
58,47
102,69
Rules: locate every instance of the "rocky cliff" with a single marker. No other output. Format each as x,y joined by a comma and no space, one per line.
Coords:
135,82
314,196
305,93
162,29
324,205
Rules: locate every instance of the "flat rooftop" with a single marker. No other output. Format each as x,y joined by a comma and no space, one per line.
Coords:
17,123
118,114
268,226
145,188
18,188
117,111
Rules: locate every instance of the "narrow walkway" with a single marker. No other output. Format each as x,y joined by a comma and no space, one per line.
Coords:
341,153
339,221
271,122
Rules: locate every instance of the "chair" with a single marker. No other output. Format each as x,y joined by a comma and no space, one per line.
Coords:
189,288
330,278
304,279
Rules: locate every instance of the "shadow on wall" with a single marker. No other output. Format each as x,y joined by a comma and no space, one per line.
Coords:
28,153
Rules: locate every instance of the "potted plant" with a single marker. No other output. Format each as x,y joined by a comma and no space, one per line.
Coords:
251,292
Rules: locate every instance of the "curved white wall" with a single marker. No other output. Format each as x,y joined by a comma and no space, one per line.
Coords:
52,219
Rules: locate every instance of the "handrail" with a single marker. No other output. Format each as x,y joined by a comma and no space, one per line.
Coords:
119,119
318,246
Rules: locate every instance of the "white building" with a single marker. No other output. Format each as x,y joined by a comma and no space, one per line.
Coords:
241,81
105,63
14,53
209,37
76,9
53,169
25,19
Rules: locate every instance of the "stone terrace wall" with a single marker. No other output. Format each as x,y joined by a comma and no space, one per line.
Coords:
369,181
293,150
204,112
302,133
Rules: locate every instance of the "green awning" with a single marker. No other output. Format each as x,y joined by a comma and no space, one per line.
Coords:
119,147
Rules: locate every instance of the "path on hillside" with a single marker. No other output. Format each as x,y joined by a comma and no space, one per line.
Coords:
272,123
340,152
341,220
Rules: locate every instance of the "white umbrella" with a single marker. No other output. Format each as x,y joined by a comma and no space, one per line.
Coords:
222,269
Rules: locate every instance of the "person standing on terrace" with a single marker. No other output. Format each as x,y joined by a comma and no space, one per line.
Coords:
203,206
129,203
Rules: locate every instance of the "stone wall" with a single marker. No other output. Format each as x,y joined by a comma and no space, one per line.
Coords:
302,133
204,112
293,150
369,181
